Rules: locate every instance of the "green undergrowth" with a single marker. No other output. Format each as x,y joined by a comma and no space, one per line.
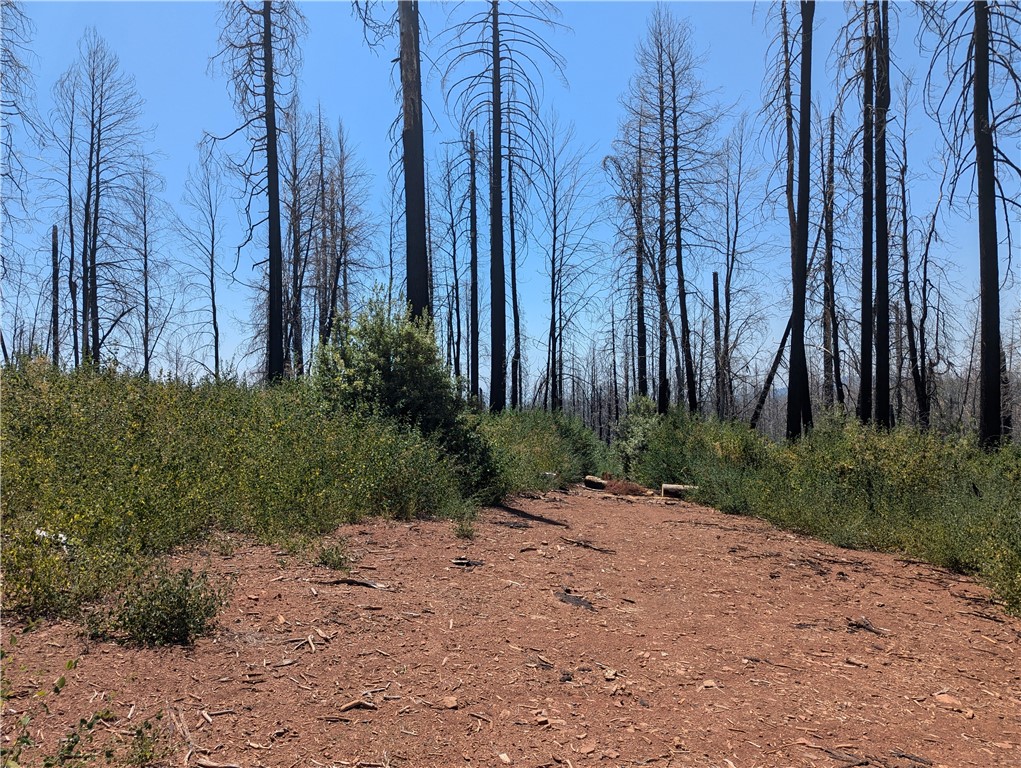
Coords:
540,450
937,498
104,472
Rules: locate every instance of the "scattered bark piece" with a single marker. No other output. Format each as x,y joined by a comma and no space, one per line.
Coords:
585,544
450,702
853,625
203,762
913,758
368,583
357,704
578,600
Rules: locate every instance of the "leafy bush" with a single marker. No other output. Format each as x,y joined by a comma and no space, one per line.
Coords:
164,608
631,438
126,469
388,365
334,557
537,450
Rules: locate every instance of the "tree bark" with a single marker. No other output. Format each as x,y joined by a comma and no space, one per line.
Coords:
799,406
498,294
990,421
275,298
414,159
883,415
643,344
515,313
865,385
473,244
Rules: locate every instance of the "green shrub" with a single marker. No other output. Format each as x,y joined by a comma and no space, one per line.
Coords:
538,450
631,437
164,608
127,469
387,365
941,499
334,557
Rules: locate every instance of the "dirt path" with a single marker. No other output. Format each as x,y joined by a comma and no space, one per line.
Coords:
680,636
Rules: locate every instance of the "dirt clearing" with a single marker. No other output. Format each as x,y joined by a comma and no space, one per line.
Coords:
576,629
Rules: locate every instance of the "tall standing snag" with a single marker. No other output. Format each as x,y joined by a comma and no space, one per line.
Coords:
502,88
259,54
980,46
414,159
799,407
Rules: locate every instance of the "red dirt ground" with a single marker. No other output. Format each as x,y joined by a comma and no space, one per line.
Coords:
688,637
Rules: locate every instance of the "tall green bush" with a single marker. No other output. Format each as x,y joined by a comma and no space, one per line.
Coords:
387,364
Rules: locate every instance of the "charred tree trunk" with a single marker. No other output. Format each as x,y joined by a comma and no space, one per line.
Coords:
641,331
882,310
831,336
498,293
275,299
865,385
414,159
515,313
473,244
990,421
799,406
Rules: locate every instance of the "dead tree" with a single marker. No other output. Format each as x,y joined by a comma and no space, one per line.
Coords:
259,54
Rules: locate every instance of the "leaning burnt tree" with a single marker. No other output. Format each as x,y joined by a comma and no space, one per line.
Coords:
260,56
977,109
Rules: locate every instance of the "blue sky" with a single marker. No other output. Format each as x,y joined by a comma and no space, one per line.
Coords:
166,46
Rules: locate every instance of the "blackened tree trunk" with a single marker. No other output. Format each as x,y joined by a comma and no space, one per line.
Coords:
883,416
865,379
641,331
515,313
54,298
916,365
827,278
473,267
275,298
414,159
799,406
682,286
663,385
990,422
498,293
721,412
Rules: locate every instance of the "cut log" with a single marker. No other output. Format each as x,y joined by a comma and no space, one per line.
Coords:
591,481
678,491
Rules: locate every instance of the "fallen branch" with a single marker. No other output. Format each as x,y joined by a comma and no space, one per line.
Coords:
355,583
357,704
588,545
